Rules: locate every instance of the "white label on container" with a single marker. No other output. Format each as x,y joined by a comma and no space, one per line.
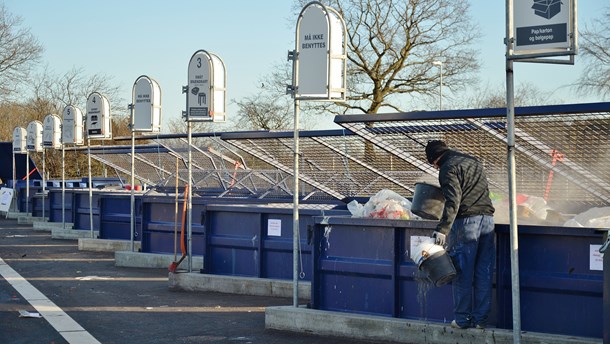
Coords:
416,240
6,196
596,259
274,227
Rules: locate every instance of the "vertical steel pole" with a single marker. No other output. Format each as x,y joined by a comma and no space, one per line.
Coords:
43,179
132,224
27,181
90,188
63,186
14,183
512,196
295,211
606,295
189,213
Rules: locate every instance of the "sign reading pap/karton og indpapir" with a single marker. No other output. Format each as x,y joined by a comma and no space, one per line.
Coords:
543,26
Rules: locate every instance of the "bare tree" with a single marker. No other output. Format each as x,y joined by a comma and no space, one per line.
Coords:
526,94
392,45
74,87
594,45
19,52
264,111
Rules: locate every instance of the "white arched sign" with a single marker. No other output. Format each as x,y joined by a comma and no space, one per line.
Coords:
146,100
34,137
19,138
206,90
72,126
320,59
98,117
51,132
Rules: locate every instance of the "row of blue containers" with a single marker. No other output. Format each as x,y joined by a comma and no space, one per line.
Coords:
361,265
237,241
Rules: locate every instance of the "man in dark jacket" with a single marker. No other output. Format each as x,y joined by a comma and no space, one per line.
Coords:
467,228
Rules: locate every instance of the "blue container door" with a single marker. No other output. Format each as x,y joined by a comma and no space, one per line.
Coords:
115,220
161,228
55,199
277,250
234,241
559,292
81,211
355,269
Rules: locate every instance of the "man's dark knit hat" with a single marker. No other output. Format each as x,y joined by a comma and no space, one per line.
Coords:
434,149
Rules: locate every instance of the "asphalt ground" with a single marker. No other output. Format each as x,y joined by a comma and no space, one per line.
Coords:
123,305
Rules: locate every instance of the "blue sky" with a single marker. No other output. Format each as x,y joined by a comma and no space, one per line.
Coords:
128,38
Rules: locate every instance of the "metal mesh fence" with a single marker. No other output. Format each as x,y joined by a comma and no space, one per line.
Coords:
562,154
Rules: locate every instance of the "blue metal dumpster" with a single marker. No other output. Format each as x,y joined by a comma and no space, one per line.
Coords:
257,240
56,207
363,265
561,291
115,216
36,205
23,201
81,209
159,223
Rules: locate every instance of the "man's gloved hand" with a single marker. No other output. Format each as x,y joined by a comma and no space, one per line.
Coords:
439,238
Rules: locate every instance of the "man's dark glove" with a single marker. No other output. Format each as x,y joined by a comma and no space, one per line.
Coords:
439,238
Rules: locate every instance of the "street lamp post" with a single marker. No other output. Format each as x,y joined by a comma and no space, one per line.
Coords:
440,100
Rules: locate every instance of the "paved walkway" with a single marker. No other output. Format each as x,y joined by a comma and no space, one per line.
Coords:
84,298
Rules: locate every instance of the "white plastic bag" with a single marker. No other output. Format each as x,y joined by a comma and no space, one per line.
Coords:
592,218
386,204
355,208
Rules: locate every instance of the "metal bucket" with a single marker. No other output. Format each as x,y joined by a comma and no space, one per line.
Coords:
428,201
439,267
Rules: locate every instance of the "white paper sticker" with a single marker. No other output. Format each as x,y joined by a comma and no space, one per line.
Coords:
596,259
6,196
274,227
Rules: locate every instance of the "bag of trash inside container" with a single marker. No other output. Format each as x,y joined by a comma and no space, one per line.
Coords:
386,204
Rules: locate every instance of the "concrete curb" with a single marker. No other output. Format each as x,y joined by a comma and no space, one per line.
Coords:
349,325
72,234
237,285
151,260
106,245
50,226
29,219
14,215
